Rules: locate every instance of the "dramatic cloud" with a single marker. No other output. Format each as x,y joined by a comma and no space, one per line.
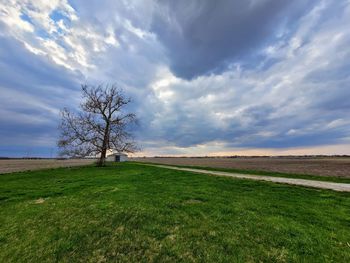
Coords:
32,91
204,36
205,76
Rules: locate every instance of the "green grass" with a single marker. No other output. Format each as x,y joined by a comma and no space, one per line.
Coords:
135,213
265,173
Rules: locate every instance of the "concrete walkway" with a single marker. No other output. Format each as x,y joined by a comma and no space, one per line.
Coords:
341,187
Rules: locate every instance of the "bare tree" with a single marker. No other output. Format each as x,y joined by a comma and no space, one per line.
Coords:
101,124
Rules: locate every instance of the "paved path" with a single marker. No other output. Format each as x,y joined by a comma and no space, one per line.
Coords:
341,187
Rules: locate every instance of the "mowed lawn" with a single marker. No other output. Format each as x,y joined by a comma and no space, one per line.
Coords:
134,213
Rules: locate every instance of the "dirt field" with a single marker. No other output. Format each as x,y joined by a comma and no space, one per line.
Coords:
17,165
339,167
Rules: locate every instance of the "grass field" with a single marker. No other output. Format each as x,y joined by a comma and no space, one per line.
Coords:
264,173
133,213
321,166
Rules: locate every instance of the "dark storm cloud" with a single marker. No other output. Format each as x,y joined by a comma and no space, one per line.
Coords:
278,71
201,36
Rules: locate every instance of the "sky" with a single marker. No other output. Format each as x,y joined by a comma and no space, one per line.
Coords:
247,77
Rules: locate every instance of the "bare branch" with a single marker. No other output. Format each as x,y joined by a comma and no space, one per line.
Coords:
101,124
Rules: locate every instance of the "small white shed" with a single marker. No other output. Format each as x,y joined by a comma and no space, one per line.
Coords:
117,157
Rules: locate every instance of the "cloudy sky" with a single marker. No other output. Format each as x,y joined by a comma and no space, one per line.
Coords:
206,77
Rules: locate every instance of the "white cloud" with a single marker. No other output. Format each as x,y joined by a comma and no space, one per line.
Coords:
68,43
293,95
222,106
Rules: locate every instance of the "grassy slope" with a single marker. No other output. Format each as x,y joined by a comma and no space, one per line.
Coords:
255,172
137,213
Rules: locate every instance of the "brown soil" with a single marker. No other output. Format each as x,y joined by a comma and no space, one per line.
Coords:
339,167
17,165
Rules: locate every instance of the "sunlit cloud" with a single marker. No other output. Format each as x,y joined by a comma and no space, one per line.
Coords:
272,78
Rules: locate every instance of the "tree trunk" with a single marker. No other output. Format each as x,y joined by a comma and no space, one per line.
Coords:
102,160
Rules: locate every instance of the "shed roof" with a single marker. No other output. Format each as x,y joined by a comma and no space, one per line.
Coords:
117,154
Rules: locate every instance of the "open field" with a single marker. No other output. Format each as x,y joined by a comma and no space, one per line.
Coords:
133,213
343,186
337,167
17,165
